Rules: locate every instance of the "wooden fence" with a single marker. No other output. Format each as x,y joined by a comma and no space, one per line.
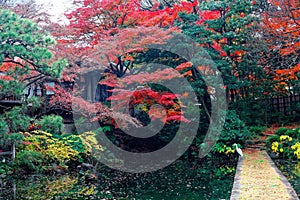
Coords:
285,105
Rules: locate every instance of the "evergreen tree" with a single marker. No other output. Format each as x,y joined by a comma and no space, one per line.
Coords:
225,29
24,60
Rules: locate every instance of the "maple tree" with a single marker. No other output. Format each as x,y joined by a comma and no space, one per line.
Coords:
282,20
113,40
281,29
86,30
146,97
114,35
93,21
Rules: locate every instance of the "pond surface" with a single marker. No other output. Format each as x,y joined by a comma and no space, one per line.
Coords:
177,181
291,170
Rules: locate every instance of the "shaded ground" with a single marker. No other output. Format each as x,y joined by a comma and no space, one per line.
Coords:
207,181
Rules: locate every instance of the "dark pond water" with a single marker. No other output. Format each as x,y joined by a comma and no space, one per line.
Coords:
178,181
291,170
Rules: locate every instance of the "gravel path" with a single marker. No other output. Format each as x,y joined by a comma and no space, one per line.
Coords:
258,178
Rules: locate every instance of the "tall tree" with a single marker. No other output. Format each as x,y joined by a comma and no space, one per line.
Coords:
24,56
224,29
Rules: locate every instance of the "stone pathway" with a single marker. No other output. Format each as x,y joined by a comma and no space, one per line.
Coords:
258,178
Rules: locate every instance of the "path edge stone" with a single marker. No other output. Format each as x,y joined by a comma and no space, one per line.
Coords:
235,192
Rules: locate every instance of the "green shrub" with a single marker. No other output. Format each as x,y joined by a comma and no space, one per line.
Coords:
281,131
16,119
3,126
287,131
252,112
5,169
6,139
234,130
271,139
74,142
224,149
52,124
29,161
292,133
35,102
257,130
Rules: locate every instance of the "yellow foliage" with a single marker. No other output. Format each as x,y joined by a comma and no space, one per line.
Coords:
281,150
275,147
285,137
296,148
90,142
60,152
229,150
88,190
52,148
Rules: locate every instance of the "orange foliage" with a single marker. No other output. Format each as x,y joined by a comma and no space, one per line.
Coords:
288,73
284,23
283,26
8,65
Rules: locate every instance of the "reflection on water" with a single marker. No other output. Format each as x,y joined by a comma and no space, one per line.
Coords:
291,170
178,181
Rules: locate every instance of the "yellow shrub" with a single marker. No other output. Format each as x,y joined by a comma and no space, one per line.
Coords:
275,147
52,148
60,152
285,137
39,132
296,148
229,150
90,142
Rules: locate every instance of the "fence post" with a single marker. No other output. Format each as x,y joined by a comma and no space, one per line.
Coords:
14,150
15,190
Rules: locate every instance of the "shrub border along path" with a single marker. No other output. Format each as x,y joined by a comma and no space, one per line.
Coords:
257,177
